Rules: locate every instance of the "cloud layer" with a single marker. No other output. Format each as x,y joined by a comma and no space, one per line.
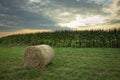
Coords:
57,14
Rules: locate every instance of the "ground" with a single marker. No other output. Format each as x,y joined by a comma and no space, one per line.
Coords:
69,64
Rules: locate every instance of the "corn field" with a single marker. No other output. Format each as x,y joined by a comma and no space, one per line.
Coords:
92,38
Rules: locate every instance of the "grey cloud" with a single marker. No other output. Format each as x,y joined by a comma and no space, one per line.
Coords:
118,6
13,3
15,11
82,6
118,12
115,21
4,28
116,18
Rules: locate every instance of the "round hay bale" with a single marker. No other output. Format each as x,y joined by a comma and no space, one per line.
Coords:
38,56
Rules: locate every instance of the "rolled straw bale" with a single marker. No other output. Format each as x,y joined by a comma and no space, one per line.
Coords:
38,56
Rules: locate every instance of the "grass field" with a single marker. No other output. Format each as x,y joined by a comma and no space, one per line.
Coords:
69,64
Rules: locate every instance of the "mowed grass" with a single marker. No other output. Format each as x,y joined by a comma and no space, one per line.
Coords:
69,64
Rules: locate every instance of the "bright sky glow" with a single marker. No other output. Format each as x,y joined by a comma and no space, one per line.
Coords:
79,21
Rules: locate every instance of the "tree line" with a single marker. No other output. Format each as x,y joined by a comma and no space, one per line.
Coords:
87,38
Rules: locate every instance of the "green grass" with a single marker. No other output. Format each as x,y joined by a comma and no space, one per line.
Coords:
69,64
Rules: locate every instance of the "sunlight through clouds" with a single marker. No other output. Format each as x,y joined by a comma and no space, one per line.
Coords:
81,21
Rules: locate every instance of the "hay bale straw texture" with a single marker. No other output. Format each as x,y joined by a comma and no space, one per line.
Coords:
38,56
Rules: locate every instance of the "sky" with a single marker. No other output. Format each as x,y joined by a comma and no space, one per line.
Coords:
29,15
